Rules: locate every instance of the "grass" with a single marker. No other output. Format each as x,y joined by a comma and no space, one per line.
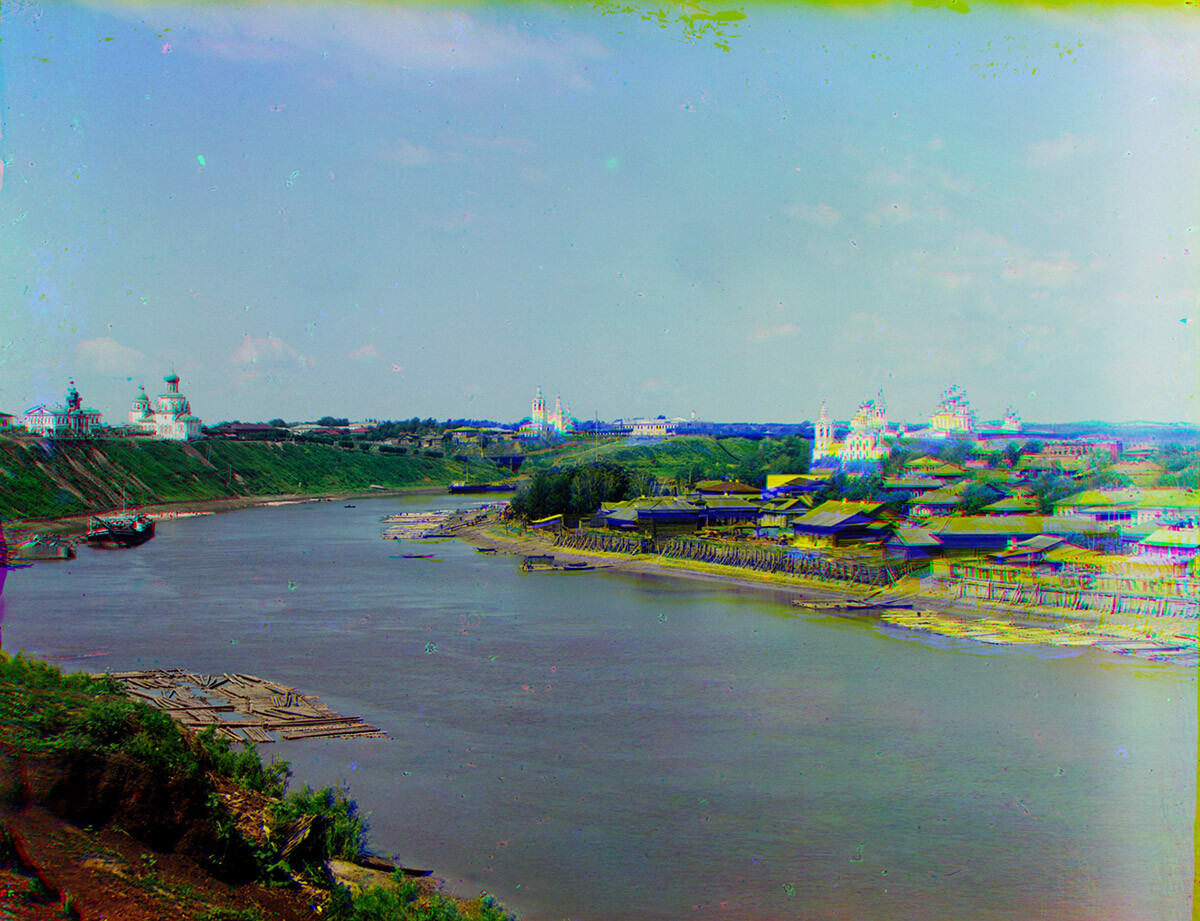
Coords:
44,710
42,479
344,830
404,901
710,458
245,767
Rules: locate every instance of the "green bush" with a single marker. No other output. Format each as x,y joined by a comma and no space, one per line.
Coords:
402,901
245,767
344,830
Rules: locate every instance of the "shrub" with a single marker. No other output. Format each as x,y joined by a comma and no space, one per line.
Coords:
245,767
344,831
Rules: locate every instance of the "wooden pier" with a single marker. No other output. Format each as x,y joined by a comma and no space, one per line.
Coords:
242,708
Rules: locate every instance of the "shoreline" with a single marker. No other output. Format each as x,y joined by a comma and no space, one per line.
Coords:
17,530
947,616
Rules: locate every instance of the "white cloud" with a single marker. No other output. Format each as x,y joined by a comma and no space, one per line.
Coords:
1052,152
774,333
407,153
823,215
364,353
1040,273
107,356
408,36
459,220
268,350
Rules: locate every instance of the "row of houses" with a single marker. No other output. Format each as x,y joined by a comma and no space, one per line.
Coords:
1121,550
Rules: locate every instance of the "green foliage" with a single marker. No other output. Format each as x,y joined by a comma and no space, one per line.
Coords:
403,901
1012,453
245,767
1050,488
893,463
976,496
674,460
44,710
955,450
578,491
787,455
344,830
231,914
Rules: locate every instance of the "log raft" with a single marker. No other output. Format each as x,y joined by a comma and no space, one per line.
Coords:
242,708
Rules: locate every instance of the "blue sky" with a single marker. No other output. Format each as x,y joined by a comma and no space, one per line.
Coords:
388,210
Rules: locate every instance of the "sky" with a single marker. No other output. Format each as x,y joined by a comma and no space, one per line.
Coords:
392,210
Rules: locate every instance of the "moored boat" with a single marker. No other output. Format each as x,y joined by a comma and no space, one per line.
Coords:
42,547
120,531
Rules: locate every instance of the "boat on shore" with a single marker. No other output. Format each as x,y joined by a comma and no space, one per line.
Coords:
481,487
851,604
119,531
42,547
547,563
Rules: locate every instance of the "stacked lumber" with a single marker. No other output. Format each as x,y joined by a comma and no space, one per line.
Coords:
242,708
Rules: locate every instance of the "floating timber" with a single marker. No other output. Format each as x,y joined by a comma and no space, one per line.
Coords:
242,708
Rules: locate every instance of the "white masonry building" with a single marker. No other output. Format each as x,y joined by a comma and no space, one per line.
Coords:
169,418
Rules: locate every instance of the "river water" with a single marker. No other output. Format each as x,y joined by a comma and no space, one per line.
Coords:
606,747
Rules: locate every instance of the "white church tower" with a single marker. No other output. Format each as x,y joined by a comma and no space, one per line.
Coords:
823,445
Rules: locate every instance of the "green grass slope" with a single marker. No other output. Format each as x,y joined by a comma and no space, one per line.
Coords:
41,479
703,457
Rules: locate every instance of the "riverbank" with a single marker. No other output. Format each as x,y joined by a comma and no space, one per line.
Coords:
1167,640
51,479
75,525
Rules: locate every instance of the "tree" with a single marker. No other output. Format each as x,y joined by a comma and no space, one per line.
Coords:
975,497
955,450
278,423
578,492
1050,488
332,422
1012,454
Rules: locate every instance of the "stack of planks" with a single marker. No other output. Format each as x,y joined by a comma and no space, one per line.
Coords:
242,707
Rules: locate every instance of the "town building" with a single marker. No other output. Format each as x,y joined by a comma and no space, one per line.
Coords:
867,439
1011,422
823,445
953,415
70,419
169,418
557,423
652,428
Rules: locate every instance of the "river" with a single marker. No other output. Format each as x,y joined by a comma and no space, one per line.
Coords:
604,747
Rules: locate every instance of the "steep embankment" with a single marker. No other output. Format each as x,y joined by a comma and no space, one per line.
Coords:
700,455
43,479
109,811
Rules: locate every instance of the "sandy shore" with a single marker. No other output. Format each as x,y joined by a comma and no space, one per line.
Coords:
944,615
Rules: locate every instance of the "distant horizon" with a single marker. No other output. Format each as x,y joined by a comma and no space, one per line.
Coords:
398,205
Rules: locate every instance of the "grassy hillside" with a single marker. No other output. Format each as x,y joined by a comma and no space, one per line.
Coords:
40,479
138,818
703,456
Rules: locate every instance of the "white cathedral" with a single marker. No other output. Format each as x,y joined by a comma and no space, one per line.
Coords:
867,440
558,422
170,418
